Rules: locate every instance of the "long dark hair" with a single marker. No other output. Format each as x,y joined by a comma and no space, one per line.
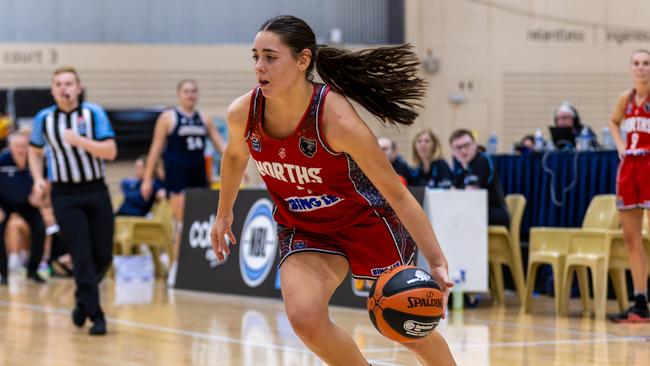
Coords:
383,80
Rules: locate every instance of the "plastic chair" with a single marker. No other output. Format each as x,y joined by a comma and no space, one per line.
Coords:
589,248
155,232
504,249
546,246
551,246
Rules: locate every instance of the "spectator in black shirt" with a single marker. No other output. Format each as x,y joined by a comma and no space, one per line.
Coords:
16,197
473,170
390,149
430,169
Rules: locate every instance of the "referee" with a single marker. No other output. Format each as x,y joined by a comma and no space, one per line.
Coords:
78,138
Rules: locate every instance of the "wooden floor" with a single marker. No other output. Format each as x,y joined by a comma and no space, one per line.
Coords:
149,325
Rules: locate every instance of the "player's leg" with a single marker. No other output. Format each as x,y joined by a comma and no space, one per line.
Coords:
389,246
176,203
631,225
308,280
431,350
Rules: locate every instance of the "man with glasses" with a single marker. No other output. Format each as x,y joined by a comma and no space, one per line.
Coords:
474,170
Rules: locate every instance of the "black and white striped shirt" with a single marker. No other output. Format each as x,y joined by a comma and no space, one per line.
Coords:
66,163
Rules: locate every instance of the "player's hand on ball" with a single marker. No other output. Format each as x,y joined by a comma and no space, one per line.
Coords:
220,228
440,273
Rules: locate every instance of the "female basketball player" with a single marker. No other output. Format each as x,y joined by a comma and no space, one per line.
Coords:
181,132
633,181
325,171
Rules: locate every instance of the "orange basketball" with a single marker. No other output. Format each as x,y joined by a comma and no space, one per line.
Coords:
405,304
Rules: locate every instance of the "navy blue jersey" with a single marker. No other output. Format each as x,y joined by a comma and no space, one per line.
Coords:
134,204
185,143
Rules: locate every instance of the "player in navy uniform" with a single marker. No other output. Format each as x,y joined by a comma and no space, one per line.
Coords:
181,133
340,205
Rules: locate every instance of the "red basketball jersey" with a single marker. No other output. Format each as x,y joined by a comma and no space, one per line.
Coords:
314,188
636,123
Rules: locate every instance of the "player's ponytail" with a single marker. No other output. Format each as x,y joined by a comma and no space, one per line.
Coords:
383,80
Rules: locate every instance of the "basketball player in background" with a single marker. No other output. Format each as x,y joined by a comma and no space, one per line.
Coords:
308,142
633,181
179,136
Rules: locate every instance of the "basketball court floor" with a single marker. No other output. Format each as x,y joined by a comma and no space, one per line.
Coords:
150,325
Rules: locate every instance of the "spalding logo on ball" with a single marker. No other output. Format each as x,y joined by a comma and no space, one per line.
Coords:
405,304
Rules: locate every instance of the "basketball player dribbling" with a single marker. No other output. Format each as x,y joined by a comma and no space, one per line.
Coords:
340,204
181,132
633,181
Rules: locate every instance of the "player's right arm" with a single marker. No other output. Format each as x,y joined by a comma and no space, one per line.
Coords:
160,132
233,165
615,123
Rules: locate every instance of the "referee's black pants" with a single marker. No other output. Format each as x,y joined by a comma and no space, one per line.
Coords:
85,217
37,230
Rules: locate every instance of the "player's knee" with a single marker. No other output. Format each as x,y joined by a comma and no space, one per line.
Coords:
306,320
418,345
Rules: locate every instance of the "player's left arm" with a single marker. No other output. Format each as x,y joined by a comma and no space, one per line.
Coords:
215,136
346,132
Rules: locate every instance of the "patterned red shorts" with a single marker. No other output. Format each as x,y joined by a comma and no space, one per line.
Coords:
371,246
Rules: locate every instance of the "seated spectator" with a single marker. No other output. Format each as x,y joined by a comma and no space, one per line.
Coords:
565,115
430,169
390,149
474,170
134,204
526,145
16,196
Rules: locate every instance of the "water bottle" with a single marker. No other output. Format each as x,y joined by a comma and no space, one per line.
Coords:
539,140
459,280
492,144
608,140
584,140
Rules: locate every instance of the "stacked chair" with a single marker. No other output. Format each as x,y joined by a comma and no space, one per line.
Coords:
155,232
504,249
596,247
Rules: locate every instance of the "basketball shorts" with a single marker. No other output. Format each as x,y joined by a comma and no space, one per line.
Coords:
176,181
371,246
633,183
